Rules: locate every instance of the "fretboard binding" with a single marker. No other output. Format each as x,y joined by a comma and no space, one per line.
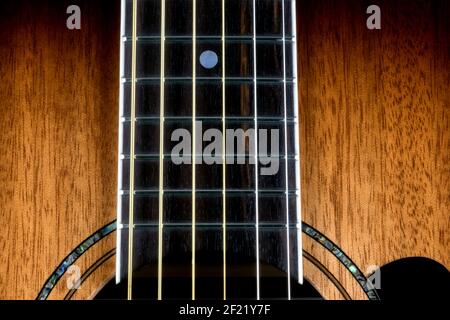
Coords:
255,102
208,79
286,164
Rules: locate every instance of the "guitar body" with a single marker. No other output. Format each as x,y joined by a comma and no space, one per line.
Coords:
375,135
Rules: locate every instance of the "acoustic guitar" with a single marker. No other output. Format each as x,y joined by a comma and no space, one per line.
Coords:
224,149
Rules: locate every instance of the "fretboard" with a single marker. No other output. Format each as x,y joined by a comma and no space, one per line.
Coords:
202,65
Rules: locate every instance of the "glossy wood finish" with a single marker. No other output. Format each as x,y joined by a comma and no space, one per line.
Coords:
375,108
375,112
59,98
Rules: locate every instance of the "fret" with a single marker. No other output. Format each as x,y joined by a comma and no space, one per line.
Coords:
177,176
259,91
238,19
270,57
179,58
269,226
180,14
239,157
208,119
200,80
147,175
200,192
240,207
147,130
239,99
212,121
212,38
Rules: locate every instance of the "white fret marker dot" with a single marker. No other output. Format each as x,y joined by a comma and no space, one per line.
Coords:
209,59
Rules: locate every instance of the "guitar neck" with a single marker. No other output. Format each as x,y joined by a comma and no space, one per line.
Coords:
209,142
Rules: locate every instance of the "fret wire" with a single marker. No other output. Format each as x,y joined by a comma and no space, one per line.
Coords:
194,133
216,118
256,152
234,80
224,185
297,144
231,119
265,225
150,157
255,80
132,146
214,38
286,156
161,151
211,191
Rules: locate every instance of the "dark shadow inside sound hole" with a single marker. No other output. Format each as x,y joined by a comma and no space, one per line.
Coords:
412,278
241,284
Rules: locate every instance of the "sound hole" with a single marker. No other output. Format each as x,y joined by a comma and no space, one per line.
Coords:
412,278
241,281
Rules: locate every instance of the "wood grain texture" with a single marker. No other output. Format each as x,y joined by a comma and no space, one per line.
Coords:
59,98
375,114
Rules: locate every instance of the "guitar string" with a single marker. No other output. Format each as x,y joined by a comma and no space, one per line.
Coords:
161,149
297,144
224,184
194,136
132,154
256,153
132,148
286,156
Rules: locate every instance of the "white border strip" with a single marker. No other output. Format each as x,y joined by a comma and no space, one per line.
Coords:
297,146
161,148
255,94
194,138
286,180
120,146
